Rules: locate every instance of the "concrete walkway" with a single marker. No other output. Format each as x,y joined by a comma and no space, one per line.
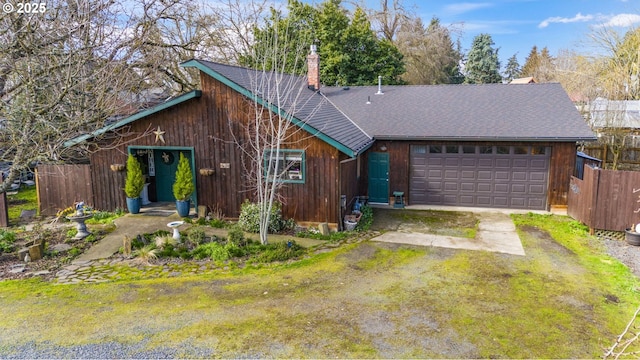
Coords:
128,225
496,232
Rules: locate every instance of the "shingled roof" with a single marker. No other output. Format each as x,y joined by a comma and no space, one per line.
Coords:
532,112
351,118
309,108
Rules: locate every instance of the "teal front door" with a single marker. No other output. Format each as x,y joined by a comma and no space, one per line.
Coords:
166,163
378,177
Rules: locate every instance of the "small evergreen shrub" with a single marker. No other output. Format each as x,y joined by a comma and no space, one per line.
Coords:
134,182
235,235
183,186
249,220
196,235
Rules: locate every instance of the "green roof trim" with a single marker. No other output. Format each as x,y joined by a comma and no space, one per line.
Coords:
248,93
175,101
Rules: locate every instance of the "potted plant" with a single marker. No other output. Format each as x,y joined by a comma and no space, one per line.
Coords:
183,186
632,235
133,184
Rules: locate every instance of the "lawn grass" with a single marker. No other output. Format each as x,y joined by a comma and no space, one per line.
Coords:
564,299
25,199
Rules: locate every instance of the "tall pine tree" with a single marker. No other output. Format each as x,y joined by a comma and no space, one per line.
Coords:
482,66
512,70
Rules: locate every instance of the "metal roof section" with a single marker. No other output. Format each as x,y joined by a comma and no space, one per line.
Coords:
615,113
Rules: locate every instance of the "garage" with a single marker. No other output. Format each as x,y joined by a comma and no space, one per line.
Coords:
509,176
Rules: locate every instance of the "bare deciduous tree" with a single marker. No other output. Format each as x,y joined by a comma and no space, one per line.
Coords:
273,124
66,71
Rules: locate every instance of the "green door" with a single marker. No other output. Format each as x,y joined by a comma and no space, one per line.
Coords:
166,162
378,177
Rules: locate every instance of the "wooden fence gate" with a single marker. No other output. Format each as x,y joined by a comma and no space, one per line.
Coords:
60,186
605,199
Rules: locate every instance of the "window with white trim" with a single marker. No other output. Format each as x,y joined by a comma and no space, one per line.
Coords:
286,166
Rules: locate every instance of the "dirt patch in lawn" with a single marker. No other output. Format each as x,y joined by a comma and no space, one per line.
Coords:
448,223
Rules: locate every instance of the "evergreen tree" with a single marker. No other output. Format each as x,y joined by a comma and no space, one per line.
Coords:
483,66
512,71
531,63
350,52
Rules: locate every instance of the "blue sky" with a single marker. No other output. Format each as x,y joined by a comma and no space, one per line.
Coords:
517,25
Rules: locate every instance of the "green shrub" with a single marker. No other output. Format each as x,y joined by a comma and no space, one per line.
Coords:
334,236
72,232
281,251
235,235
250,218
103,217
366,220
213,250
134,181
196,235
218,223
7,238
183,186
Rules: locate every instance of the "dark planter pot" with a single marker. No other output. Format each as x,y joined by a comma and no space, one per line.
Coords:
183,207
133,204
632,237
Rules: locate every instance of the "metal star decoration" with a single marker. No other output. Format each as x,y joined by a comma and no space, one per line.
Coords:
159,134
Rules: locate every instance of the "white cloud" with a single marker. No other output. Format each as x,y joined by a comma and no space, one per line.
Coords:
578,18
622,20
459,8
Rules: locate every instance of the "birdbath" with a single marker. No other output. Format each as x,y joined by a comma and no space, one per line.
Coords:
175,225
80,225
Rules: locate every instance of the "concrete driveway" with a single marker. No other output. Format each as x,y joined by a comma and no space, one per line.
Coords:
496,233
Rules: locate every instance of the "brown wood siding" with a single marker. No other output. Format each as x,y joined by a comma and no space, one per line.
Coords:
207,125
60,186
562,164
349,183
605,199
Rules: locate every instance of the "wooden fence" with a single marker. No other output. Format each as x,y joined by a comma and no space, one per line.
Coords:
60,186
605,199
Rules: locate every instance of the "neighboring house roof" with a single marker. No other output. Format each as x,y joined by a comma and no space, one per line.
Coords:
165,105
536,112
309,108
524,80
615,113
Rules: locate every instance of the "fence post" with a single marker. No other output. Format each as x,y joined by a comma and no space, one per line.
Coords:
593,207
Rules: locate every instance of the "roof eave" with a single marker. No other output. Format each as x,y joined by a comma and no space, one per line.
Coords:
484,138
246,92
139,115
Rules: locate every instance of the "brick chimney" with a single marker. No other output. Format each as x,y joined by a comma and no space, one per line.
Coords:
313,69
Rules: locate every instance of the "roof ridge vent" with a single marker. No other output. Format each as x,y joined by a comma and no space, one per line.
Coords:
379,86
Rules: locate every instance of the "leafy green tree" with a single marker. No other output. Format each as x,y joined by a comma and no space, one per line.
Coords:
350,52
283,37
365,57
482,66
512,70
